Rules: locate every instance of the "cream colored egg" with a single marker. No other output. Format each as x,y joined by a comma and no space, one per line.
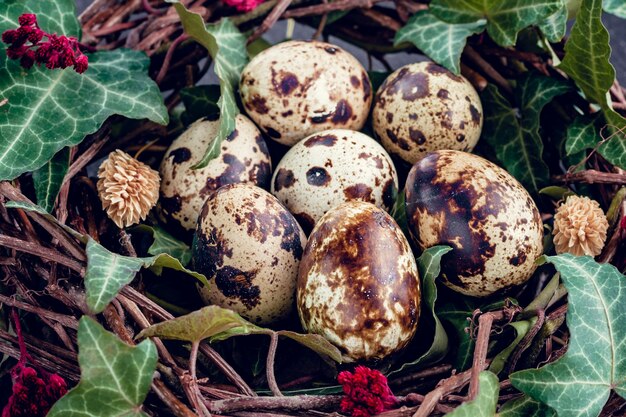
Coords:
332,167
243,158
297,88
493,225
358,284
249,247
423,107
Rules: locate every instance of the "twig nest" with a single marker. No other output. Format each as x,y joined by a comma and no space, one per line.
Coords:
128,189
580,227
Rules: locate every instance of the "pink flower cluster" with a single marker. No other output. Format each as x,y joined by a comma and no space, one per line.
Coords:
244,5
33,392
26,44
366,392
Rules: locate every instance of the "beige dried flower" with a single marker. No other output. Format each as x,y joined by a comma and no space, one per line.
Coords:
579,227
127,188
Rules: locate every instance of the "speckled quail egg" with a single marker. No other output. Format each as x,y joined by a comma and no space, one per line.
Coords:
331,167
249,248
423,107
243,158
462,200
297,88
358,284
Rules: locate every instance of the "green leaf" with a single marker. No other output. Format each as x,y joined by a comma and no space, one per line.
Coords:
521,328
200,101
35,208
429,265
586,60
515,139
457,317
47,110
555,25
115,377
166,243
227,47
217,323
615,7
48,179
443,42
555,192
107,273
504,18
486,400
583,134
580,382
525,407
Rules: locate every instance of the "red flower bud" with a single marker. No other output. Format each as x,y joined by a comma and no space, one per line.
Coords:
15,52
9,36
366,392
81,64
27,19
28,59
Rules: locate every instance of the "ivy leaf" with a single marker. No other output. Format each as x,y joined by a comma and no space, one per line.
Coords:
515,138
504,18
166,243
525,407
47,110
486,400
107,273
586,60
443,42
48,179
615,7
200,101
227,47
217,323
555,25
115,377
457,317
583,134
429,265
580,382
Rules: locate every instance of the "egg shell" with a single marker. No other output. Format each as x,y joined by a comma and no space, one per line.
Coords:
243,158
423,107
358,284
249,247
297,88
330,168
491,222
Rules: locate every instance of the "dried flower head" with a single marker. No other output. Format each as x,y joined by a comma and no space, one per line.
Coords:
366,392
579,227
244,5
127,188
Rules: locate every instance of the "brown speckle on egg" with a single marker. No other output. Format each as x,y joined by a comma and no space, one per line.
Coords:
249,247
364,303
333,92
464,201
429,105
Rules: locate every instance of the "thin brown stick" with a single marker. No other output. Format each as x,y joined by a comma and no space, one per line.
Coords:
526,341
41,251
591,176
487,69
67,321
269,21
269,368
435,370
329,7
168,57
178,408
293,403
480,352
445,387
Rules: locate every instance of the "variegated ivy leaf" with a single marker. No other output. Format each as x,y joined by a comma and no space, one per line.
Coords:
46,110
615,7
525,407
486,401
555,25
443,42
49,178
115,378
227,47
504,18
579,384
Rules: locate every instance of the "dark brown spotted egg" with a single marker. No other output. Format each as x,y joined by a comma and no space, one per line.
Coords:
297,88
491,222
243,158
358,284
332,167
423,107
249,247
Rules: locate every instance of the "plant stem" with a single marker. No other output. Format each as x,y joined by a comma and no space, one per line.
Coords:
271,355
293,403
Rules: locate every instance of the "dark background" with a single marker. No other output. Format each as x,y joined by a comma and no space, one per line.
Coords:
615,25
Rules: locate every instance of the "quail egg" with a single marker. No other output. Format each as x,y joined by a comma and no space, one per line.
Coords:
331,167
297,88
358,284
423,107
249,247
243,158
492,224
